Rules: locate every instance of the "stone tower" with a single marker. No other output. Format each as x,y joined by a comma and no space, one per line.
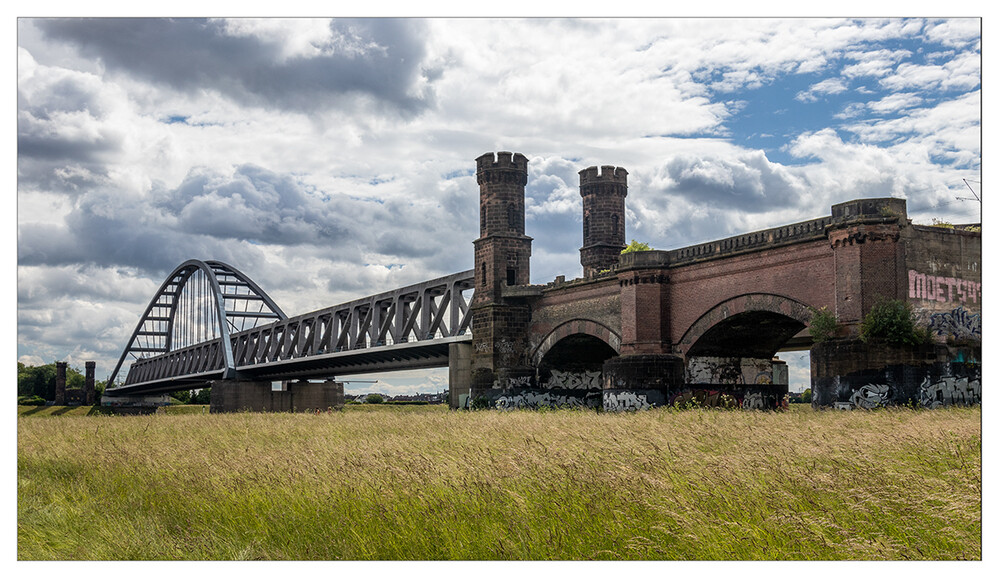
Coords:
603,195
502,259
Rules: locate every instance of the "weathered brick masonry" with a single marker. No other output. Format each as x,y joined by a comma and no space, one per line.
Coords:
704,322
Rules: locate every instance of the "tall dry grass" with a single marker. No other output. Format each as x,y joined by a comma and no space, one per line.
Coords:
405,483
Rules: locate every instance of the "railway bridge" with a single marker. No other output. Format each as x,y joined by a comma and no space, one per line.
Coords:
699,324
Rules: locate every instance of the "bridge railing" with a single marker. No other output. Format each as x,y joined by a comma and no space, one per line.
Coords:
787,234
198,359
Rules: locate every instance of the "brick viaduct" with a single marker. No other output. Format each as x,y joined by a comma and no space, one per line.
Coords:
705,322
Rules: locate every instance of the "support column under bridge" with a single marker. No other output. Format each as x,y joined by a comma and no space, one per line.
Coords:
296,396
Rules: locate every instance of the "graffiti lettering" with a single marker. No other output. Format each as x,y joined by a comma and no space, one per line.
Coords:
753,401
943,289
570,380
958,322
535,400
950,391
625,401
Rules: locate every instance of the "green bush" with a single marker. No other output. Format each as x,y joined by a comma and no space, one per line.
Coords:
636,246
374,398
892,321
823,324
30,400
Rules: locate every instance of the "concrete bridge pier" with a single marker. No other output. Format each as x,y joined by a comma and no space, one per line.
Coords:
265,396
459,368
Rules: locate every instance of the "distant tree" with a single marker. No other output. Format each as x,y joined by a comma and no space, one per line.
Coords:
41,380
201,396
806,396
374,398
36,380
182,396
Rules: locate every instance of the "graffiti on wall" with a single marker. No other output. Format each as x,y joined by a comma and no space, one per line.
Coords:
871,396
729,370
950,391
943,289
958,322
625,401
753,400
538,399
932,394
703,398
574,380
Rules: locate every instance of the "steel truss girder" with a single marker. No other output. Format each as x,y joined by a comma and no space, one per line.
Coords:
430,310
435,311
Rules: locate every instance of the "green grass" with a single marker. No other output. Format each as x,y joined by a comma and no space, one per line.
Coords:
425,483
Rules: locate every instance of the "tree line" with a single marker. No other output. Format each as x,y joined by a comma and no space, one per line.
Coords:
36,385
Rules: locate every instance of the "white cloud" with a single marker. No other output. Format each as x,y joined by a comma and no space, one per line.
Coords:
329,178
827,86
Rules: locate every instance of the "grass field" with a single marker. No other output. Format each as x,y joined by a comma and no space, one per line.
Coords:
425,483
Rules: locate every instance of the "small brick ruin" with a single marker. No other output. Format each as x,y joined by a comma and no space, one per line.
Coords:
75,396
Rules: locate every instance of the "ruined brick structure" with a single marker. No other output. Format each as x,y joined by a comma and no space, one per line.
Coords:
706,322
75,396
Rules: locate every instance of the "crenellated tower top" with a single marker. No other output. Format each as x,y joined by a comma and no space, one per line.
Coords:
501,167
607,180
603,191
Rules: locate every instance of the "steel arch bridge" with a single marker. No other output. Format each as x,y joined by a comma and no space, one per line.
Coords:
208,322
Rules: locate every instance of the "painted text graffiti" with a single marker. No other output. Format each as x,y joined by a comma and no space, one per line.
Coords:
943,289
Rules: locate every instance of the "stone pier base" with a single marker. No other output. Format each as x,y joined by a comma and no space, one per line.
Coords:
642,381
261,396
851,374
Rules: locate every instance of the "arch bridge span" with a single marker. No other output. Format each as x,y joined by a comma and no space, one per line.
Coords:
408,328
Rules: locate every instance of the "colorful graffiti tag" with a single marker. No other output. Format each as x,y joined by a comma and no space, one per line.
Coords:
958,322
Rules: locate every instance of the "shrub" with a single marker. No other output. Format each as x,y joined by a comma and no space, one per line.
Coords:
892,321
636,246
823,324
480,403
30,400
374,398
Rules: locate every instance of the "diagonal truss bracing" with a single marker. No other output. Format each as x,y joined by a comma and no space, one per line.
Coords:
407,323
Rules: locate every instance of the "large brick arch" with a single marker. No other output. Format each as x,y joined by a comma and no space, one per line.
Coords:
746,303
574,327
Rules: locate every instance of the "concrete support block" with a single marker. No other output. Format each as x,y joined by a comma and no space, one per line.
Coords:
459,374
261,396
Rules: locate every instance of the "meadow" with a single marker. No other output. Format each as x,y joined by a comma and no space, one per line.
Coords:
426,483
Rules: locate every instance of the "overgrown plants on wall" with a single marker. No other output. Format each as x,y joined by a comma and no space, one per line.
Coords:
893,322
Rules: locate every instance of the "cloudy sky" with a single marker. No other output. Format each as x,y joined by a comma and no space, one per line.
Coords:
332,159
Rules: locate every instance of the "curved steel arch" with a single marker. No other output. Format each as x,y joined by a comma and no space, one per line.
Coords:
164,305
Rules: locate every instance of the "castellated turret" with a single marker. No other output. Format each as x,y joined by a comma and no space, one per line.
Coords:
603,193
502,251
502,259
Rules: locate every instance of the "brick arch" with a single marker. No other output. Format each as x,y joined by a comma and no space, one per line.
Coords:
574,327
746,303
